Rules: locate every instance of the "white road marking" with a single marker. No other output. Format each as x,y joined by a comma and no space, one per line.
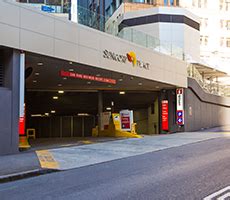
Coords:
224,196
210,197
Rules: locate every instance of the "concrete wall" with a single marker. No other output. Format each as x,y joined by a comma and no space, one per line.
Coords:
203,110
153,118
45,34
141,118
9,103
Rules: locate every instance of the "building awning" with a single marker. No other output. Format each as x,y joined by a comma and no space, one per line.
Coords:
209,72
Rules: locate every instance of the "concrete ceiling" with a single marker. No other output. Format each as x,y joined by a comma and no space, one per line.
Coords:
45,77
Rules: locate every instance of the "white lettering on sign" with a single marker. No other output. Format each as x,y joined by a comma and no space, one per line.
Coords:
180,106
180,99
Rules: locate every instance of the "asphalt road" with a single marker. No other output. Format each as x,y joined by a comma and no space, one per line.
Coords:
188,172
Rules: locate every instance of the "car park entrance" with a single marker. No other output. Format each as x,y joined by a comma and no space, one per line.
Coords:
65,99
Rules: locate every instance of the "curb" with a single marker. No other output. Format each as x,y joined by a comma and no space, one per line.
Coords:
25,174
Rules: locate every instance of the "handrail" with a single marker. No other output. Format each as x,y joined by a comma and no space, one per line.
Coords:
209,86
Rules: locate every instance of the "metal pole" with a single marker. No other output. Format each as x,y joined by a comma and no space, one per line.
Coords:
22,95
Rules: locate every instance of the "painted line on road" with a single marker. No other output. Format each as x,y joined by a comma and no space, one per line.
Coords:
219,195
47,160
224,197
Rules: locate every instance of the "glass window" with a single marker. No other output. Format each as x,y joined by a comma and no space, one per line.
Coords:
222,41
36,1
228,24
228,42
204,40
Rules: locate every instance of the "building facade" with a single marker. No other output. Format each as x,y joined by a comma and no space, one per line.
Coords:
61,78
214,30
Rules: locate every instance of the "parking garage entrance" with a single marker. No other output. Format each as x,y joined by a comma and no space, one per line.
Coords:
65,99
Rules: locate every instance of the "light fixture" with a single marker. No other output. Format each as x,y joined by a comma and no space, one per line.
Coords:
64,78
98,75
71,70
59,85
140,83
40,64
108,108
157,87
131,78
53,111
109,86
122,92
34,81
82,114
46,114
88,82
37,74
120,79
61,92
36,115
112,103
55,97
70,62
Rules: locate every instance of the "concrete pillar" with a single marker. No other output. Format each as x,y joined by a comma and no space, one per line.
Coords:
9,98
100,109
150,121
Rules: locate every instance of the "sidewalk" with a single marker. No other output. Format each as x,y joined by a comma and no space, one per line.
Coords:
14,166
27,163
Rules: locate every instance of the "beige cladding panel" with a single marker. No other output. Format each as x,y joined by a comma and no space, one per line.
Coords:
45,34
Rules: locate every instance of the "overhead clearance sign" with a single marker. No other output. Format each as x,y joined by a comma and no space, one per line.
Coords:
129,57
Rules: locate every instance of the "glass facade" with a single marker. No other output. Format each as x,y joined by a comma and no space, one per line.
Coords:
55,6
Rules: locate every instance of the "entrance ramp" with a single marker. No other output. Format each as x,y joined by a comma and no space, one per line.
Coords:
80,156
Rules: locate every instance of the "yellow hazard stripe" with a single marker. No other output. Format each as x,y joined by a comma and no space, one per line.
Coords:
47,160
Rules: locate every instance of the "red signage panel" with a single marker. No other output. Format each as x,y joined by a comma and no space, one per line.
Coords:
87,77
21,125
164,115
125,121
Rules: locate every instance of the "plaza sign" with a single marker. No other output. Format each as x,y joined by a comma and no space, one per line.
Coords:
129,57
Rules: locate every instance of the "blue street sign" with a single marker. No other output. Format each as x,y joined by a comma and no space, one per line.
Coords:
179,120
179,114
47,8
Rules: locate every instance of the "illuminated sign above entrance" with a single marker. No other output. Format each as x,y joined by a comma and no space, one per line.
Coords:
129,57
87,77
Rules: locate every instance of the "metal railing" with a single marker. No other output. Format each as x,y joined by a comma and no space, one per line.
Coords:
209,86
99,22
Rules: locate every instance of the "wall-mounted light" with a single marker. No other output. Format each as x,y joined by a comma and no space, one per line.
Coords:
122,92
40,64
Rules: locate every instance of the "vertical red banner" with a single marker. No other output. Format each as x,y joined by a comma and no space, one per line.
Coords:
164,115
21,125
